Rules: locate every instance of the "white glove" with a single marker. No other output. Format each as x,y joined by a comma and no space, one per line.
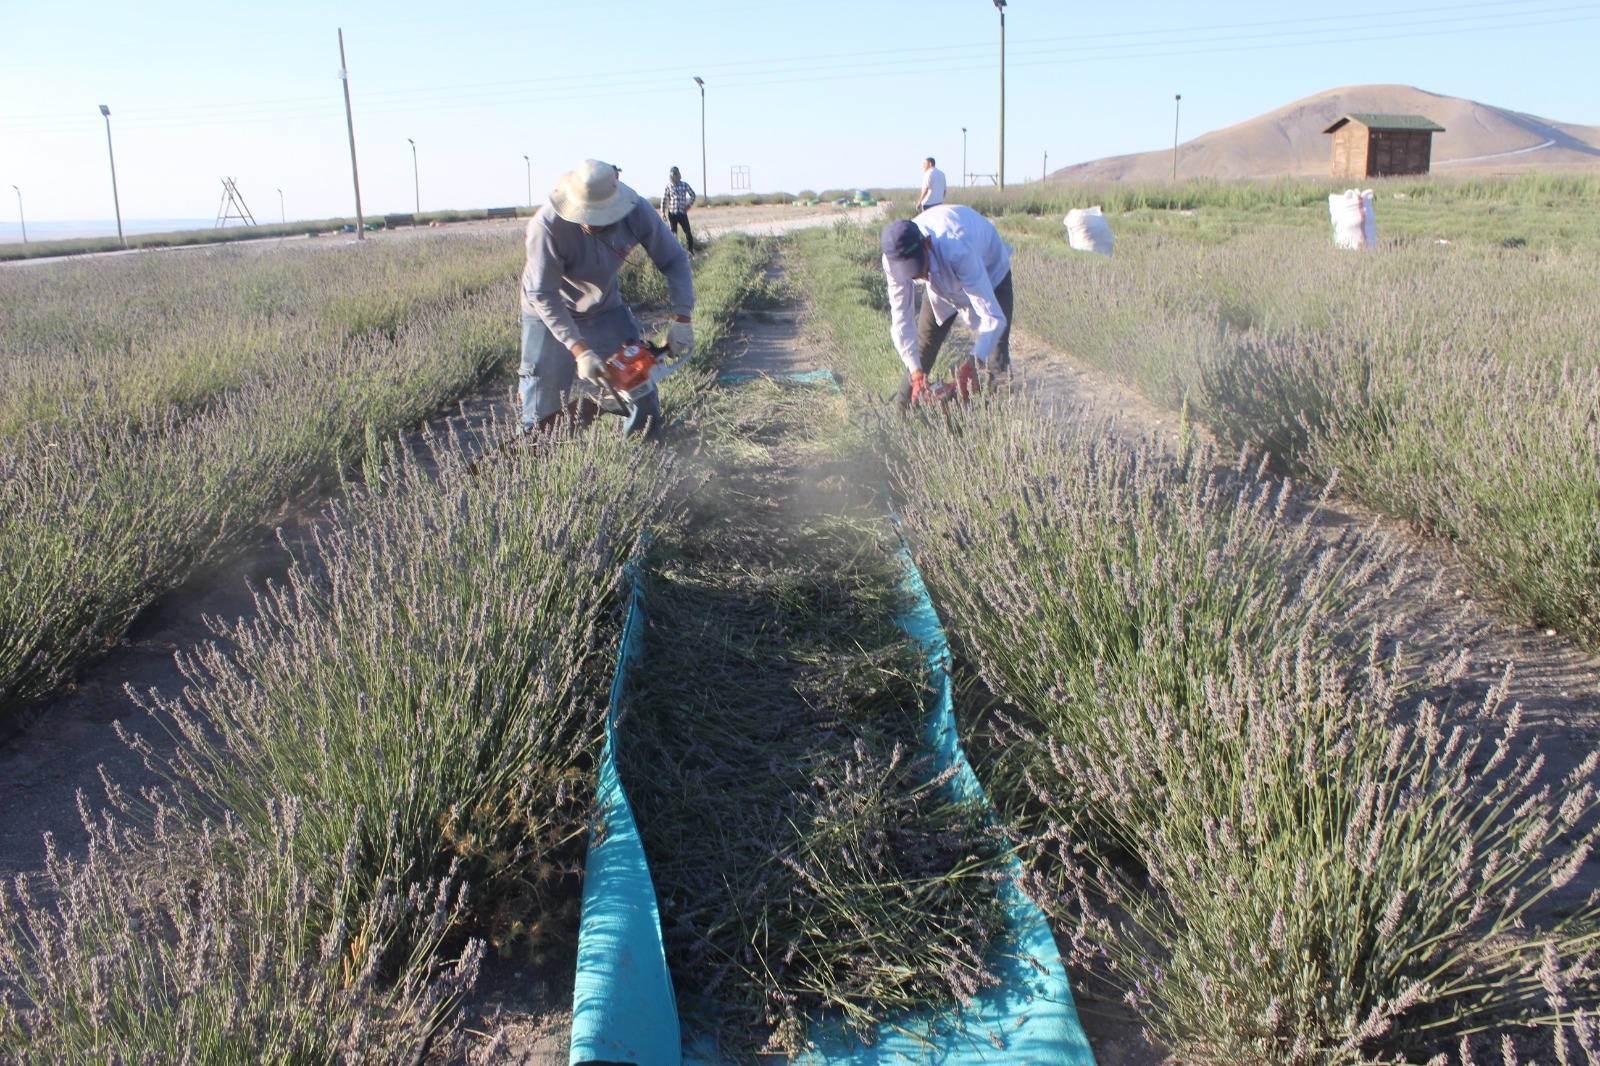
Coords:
592,369
680,339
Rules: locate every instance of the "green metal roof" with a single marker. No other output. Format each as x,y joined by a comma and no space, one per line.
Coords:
1374,121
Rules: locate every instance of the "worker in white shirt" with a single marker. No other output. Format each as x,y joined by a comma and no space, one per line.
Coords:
965,267
932,194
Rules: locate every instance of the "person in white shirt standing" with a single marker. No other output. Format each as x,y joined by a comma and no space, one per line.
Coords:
965,266
932,194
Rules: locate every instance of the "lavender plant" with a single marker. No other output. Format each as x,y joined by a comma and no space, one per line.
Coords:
419,700
1374,884
1494,457
1450,387
192,942
103,516
117,337
1133,579
1264,838
441,659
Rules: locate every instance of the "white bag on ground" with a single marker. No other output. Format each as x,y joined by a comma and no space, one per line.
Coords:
1354,224
1088,230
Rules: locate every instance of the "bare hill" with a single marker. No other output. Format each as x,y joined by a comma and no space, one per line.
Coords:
1478,139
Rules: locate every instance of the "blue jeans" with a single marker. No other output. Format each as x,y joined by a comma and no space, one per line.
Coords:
548,376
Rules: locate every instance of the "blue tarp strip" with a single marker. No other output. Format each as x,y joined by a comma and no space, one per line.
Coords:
810,377
623,1008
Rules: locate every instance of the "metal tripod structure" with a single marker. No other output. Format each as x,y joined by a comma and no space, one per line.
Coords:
232,206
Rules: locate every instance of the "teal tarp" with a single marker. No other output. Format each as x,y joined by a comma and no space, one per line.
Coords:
624,1010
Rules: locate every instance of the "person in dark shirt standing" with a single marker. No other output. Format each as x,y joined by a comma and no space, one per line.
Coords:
675,204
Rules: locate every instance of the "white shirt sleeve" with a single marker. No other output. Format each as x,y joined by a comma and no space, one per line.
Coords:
903,318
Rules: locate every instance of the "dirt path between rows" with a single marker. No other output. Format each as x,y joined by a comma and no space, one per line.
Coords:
519,1009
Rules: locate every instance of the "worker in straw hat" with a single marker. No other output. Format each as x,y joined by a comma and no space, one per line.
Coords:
573,317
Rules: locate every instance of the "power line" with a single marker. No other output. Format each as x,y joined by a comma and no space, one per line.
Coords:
1379,25
943,59
1362,18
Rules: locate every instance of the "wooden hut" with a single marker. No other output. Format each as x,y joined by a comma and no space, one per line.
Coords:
1374,146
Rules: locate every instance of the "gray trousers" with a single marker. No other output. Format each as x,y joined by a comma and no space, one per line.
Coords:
548,377
931,335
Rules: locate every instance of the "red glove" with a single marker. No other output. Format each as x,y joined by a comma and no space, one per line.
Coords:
919,386
967,381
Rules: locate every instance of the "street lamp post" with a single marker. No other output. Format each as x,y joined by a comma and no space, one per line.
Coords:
416,186
705,185
1000,6
115,200
283,216
20,217
528,163
963,155
1044,175
1177,102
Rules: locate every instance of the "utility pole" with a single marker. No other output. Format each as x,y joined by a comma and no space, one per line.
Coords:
1177,102
963,155
349,121
416,186
1044,175
20,217
1000,6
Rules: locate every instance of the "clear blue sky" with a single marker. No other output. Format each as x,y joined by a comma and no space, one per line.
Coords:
815,95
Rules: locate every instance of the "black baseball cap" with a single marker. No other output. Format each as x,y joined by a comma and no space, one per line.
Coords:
906,249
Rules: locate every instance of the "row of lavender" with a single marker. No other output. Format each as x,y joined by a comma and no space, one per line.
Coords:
384,774
159,407
1251,808
1450,384
386,771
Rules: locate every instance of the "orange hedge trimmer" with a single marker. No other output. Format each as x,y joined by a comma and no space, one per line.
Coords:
633,374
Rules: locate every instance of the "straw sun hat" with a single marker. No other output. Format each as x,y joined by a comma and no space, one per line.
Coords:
590,195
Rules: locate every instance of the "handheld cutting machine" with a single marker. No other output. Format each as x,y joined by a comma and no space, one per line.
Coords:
633,373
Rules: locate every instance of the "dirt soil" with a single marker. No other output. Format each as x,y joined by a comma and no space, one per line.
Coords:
519,1011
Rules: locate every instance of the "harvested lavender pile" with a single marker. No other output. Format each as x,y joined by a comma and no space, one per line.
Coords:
809,866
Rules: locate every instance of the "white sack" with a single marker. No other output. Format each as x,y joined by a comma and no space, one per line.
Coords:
1088,230
1354,224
